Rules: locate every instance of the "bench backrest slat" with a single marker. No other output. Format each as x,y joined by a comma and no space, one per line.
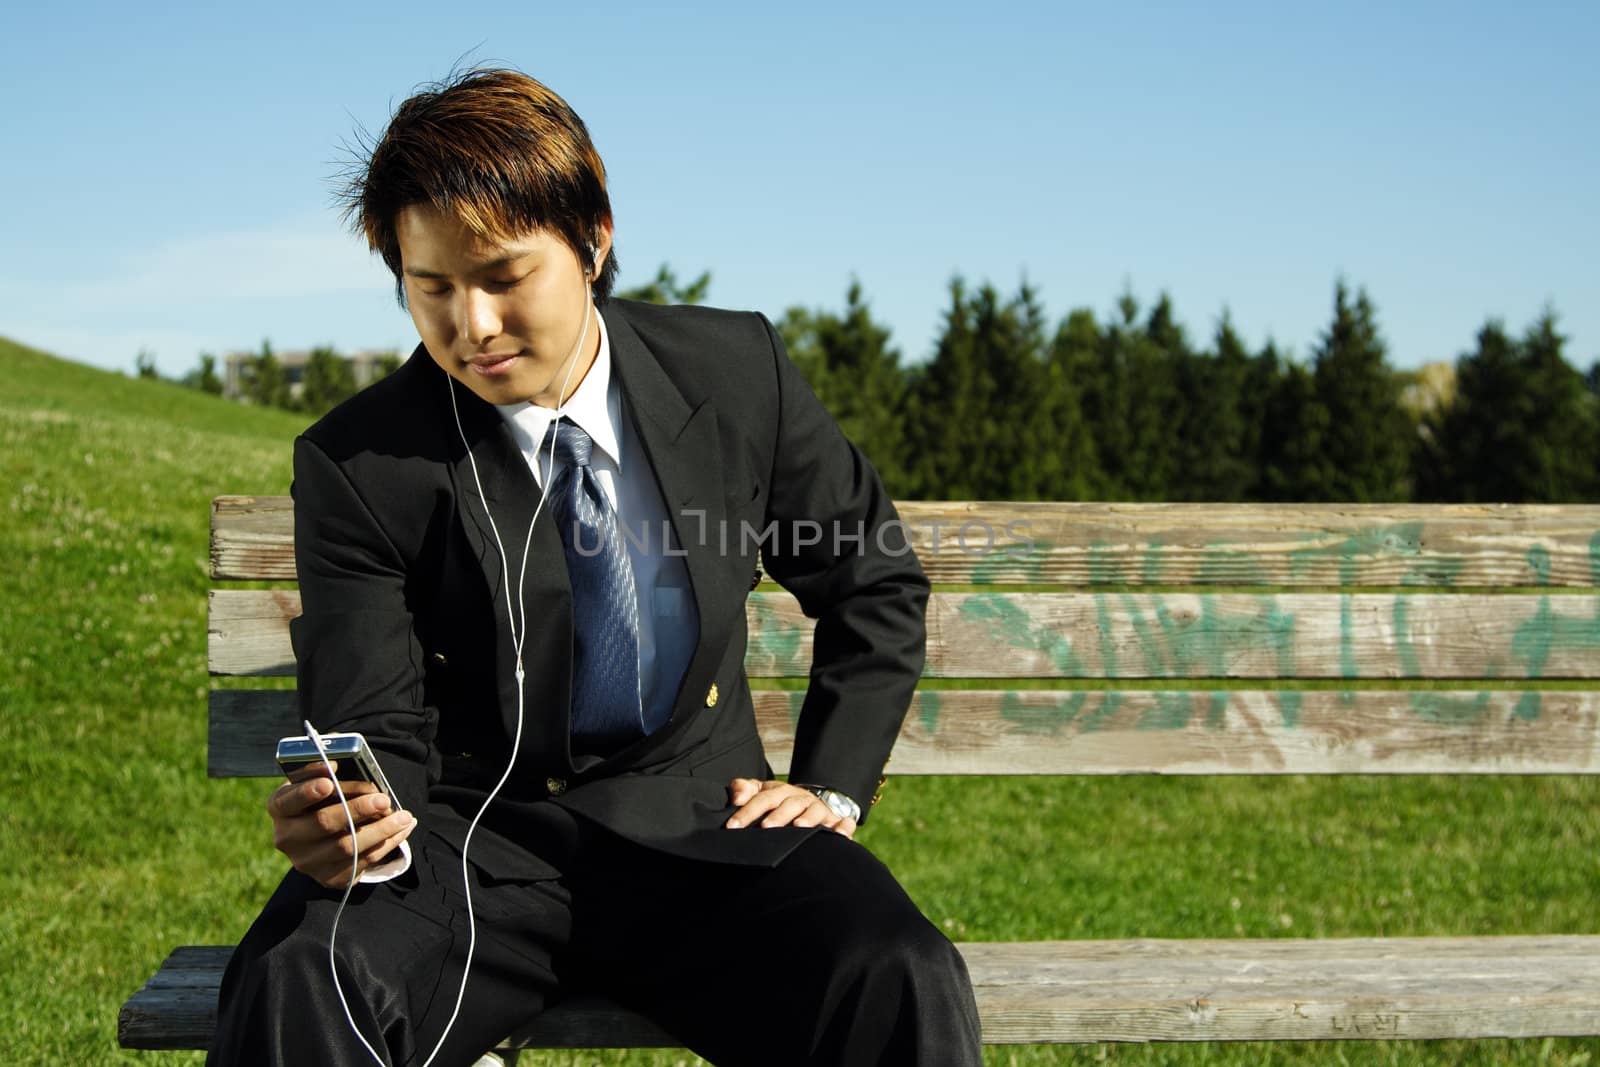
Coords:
1095,544
1124,635
1134,732
1118,657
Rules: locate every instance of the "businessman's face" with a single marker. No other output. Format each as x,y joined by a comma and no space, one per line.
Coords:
504,319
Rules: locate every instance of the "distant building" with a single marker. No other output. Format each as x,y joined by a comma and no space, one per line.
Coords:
236,371
1429,389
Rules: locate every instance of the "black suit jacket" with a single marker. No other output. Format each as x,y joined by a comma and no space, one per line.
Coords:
405,634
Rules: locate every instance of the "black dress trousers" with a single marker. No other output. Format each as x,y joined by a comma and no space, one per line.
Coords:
821,960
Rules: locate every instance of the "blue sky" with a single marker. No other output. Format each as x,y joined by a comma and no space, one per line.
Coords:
167,170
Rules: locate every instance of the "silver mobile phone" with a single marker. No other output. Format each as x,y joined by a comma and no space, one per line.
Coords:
357,761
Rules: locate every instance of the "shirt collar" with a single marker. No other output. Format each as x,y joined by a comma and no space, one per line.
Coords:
595,406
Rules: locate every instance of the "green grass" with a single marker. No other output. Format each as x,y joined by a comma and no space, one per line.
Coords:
114,847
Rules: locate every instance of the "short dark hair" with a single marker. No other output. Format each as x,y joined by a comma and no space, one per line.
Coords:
494,148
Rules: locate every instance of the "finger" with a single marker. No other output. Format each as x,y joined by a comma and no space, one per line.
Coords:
364,808
304,838
386,846
817,814
329,861
740,790
295,798
311,770
758,805
791,808
847,827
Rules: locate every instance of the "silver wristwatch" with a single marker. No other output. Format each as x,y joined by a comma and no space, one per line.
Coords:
837,802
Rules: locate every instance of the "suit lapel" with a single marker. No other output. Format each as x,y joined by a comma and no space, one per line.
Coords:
681,444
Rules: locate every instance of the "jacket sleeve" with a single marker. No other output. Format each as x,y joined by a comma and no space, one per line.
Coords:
359,661
860,581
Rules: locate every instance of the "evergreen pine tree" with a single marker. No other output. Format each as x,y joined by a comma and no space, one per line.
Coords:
951,396
1218,446
1367,435
1139,415
1107,401
1520,428
1562,468
1293,425
1469,450
850,365
1018,439
1074,364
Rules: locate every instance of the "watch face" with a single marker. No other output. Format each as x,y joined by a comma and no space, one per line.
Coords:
837,804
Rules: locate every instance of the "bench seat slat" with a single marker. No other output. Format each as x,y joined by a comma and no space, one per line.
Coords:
1137,990
1122,636
1132,732
1460,545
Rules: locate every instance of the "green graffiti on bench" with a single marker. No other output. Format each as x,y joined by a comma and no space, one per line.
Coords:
1173,647
1005,622
1014,562
775,642
1543,634
1431,706
1539,563
1402,540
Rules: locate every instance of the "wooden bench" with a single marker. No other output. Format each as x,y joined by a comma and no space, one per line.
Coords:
1062,595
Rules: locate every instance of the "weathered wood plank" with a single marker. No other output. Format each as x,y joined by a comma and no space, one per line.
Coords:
1141,990
1287,989
247,631
1085,544
1133,732
177,1009
1124,635
252,538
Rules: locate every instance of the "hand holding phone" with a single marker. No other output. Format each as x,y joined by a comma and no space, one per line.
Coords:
312,829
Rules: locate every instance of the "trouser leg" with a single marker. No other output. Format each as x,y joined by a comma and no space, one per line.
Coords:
400,949
820,960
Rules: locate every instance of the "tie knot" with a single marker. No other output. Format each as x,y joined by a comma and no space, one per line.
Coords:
572,445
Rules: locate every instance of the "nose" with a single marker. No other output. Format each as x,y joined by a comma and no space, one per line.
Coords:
480,318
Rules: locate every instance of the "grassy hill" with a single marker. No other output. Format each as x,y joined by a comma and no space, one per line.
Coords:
114,847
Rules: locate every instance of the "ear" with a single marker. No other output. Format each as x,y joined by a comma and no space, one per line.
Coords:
601,249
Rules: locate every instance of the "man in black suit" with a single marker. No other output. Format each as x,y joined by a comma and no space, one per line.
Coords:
524,559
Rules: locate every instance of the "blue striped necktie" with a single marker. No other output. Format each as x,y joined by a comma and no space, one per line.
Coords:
605,607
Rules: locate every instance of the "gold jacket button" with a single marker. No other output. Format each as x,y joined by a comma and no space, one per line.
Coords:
711,696
556,786
439,660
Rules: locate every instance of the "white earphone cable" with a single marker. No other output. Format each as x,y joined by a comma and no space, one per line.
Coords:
518,622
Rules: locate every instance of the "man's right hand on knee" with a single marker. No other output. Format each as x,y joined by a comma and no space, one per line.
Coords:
314,835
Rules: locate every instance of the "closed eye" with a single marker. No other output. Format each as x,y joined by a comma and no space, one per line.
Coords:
503,285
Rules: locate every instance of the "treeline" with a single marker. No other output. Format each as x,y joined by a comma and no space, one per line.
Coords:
1013,406
325,381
